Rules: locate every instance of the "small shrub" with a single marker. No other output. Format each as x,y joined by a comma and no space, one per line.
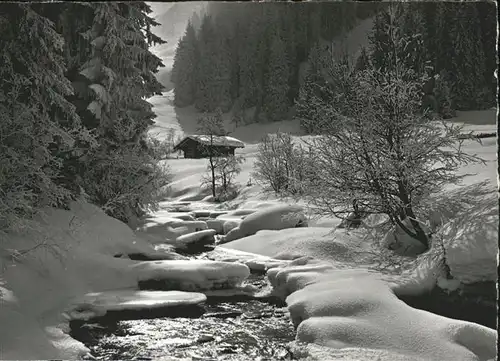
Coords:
161,149
225,170
280,164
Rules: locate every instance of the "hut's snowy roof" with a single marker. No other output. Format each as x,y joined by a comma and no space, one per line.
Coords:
224,141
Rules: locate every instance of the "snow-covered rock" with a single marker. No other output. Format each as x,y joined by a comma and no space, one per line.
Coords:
192,226
232,235
273,218
184,217
159,233
236,215
216,225
322,243
198,213
191,275
356,309
254,261
195,239
99,303
215,214
228,226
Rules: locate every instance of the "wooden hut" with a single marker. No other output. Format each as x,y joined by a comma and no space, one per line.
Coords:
201,146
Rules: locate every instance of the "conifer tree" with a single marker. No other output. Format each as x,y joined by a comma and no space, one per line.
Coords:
39,128
248,64
206,97
488,21
363,60
467,60
223,71
113,73
184,68
276,90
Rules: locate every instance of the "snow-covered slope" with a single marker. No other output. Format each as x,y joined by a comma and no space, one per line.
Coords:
173,19
68,253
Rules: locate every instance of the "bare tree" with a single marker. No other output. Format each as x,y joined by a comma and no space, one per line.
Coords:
378,150
225,168
222,168
281,164
212,126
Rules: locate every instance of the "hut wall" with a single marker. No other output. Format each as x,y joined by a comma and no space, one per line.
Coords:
194,149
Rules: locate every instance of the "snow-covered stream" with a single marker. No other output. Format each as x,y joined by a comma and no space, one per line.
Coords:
228,313
220,329
239,323
234,329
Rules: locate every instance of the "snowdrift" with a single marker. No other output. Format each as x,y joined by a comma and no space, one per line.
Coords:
471,243
357,310
269,218
71,253
318,242
191,275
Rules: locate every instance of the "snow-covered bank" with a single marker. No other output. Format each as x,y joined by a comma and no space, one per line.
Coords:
357,309
71,253
67,254
354,312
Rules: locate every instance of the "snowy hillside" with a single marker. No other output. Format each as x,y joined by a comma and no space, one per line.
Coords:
173,19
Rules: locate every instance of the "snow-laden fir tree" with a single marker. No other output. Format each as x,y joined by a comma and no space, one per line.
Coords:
276,103
184,68
113,73
39,128
223,71
467,60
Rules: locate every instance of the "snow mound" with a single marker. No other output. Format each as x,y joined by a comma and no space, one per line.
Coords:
317,242
216,224
254,261
71,254
165,215
99,303
161,233
195,239
471,243
191,275
355,309
198,213
228,226
192,226
21,337
233,219
184,217
234,234
401,243
273,218
215,214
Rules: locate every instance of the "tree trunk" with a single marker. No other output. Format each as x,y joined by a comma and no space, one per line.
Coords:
212,169
408,212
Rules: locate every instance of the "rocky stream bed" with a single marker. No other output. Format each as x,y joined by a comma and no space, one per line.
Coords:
234,328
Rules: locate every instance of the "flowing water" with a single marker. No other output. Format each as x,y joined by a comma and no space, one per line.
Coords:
222,329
